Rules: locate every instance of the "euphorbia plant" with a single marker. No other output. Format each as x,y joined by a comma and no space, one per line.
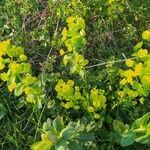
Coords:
15,70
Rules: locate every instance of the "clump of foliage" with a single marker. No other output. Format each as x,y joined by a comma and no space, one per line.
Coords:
16,71
138,132
58,136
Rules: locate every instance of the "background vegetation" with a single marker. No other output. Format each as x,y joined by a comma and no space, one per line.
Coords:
111,31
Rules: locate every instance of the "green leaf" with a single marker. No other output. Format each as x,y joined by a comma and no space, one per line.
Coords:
67,133
138,46
2,111
84,137
19,89
61,145
145,119
58,123
81,23
141,121
128,138
119,127
42,145
15,51
77,41
74,145
25,67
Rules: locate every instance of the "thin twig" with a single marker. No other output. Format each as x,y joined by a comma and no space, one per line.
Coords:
109,62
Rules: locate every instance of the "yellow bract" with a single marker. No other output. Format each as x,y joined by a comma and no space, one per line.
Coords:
146,35
62,52
14,66
70,20
142,53
12,86
23,57
70,49
28,90
129,62
97,98
4,76
30,98
17,73
123,81
128,74
121,94
3,47
138,69
2,66
96,116
90,109
64,34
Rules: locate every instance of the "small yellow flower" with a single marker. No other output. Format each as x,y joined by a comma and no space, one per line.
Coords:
65,60
121,94
64,34
128,73
30,98
70,20
90,109
12,86
62,52
23,57
123,81
142,53
129,62
96,116
70,83
146,35
3,47
67,105
130,80
77,95
46,139
2,66
70,49
14,66
28,90
138,69
145,79
4,76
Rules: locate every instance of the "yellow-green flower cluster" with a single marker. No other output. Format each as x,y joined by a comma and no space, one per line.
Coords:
74,39
68,93
16,71
72,98
74,35
136,79
97,102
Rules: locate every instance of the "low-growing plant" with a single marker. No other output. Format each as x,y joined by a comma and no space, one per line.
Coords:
16,72
138,132
55,135
74,39
135,81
